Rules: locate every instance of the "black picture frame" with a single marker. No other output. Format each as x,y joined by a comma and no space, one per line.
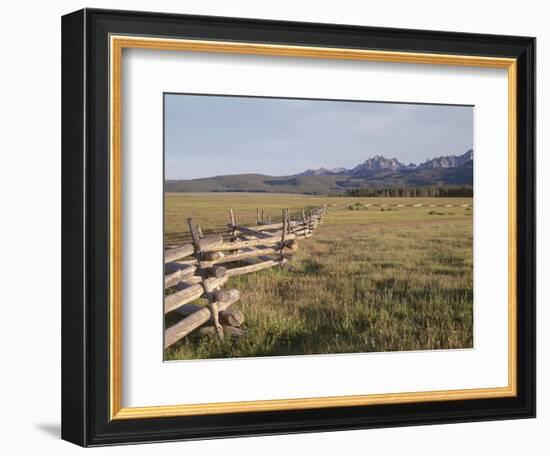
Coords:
85,228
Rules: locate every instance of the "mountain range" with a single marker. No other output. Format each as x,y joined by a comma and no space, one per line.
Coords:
376,171
380,163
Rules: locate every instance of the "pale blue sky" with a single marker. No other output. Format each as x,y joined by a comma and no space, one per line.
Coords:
209,135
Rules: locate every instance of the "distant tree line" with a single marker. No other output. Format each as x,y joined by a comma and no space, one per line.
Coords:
411,192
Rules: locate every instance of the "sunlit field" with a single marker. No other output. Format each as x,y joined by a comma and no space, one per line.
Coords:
370,279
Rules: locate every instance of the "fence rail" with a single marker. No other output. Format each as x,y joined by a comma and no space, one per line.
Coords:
201,268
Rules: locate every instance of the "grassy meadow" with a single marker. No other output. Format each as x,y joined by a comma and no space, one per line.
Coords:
370,279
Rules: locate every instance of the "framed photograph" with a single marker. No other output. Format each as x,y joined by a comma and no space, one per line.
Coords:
278,227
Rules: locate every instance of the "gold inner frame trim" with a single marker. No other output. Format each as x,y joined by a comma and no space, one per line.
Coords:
117,44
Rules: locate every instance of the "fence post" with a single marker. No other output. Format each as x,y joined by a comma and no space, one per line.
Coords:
233,223
208,292
283,234
288,229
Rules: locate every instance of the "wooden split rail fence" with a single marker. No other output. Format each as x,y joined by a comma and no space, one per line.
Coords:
202,267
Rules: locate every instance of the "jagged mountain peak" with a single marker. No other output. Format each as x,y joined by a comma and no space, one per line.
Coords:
381,162
448,161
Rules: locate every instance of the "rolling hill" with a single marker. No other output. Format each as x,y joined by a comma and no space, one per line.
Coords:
374,172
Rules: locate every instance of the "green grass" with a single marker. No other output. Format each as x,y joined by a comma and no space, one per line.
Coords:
368,280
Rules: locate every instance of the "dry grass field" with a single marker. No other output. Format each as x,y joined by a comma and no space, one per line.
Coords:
370,279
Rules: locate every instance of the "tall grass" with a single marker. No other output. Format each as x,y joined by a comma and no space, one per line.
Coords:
368,280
